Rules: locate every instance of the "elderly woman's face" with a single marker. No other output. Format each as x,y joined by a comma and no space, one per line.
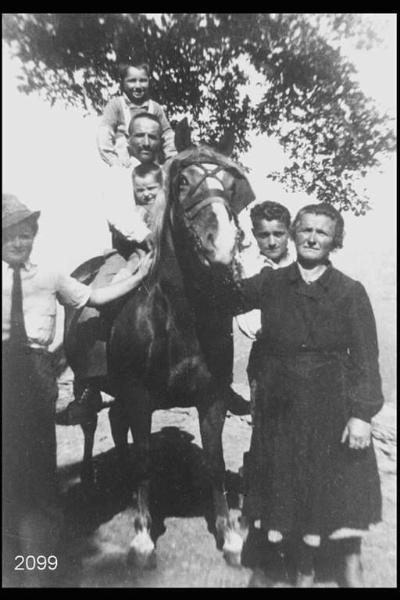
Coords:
314,238
17,243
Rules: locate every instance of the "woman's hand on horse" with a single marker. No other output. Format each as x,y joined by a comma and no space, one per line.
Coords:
358,433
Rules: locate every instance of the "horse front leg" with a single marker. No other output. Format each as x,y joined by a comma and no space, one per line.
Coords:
137,405
212,417
119,431
89,426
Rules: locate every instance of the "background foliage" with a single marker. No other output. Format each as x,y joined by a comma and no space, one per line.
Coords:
200,64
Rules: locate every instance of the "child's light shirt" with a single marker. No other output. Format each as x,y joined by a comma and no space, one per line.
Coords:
41,288
121,212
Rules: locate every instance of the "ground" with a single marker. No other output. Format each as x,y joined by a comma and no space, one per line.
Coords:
187,556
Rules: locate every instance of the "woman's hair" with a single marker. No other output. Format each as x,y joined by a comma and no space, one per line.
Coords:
145,169
271,211
123,69
323,209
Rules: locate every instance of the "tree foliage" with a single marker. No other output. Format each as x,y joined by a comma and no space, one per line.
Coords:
200,64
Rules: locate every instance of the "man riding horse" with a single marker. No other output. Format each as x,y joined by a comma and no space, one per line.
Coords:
171,342
130,238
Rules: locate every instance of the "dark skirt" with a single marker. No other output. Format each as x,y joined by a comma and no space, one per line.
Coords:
299,477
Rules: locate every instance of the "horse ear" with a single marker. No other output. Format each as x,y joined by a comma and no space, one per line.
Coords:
227,142
182,135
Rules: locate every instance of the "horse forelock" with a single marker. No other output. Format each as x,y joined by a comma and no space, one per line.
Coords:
214,177
234,179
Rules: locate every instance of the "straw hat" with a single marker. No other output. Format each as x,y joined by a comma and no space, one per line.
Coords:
13,211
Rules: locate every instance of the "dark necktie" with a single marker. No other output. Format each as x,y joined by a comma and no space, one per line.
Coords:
17,324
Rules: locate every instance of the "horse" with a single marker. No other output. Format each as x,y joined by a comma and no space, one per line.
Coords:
171,342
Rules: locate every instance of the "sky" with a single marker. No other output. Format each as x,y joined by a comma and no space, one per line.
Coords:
50,162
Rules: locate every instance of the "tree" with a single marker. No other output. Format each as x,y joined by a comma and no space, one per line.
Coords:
200,63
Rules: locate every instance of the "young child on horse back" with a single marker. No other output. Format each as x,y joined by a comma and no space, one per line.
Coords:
29,291
134,99
147,180
148,205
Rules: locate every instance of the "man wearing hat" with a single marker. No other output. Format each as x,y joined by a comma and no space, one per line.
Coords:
31,514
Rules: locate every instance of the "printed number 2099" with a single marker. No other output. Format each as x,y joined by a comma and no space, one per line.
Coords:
30,562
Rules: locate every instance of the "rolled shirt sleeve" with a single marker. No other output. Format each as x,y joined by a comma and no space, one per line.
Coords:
71,292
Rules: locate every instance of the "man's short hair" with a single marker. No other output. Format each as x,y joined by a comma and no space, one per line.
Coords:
271,211
143,115
327,210
145,169
123,68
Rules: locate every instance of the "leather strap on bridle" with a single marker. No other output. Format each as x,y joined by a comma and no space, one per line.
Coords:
203,199
193,204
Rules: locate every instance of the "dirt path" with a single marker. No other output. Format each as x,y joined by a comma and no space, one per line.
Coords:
186,552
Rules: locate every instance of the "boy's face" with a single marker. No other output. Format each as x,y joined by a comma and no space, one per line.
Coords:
17,243
136,85
272,238
146,189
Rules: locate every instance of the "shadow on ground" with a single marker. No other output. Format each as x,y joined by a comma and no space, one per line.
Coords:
180,487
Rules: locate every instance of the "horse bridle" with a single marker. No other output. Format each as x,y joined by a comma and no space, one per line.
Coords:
193,204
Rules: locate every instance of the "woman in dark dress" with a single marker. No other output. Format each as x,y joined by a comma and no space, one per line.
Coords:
312,472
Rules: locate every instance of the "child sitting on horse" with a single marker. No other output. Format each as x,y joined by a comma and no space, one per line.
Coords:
33,518
147,179
147,183
134,99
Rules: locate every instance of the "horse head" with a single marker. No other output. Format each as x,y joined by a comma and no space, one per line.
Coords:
206,192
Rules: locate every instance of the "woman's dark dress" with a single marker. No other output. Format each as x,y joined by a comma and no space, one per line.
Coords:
319,367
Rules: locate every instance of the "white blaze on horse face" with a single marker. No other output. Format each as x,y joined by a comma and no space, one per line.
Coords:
213,223
218,233
225,240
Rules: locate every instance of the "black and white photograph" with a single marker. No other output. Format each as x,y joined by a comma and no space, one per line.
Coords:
199,300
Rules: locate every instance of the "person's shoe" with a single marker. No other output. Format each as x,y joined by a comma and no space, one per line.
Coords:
305,581
237,405
85,405
353,571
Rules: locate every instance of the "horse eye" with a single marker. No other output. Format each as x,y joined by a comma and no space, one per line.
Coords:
183,180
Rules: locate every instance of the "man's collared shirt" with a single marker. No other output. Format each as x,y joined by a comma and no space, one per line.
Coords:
40,290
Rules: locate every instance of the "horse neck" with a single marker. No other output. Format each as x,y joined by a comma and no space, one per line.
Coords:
179,268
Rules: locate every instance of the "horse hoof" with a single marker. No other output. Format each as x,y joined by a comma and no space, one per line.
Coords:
142,551
232,549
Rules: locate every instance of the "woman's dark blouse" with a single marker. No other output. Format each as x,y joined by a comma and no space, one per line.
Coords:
331,315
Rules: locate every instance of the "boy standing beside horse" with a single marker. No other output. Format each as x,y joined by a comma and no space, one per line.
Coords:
31,506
